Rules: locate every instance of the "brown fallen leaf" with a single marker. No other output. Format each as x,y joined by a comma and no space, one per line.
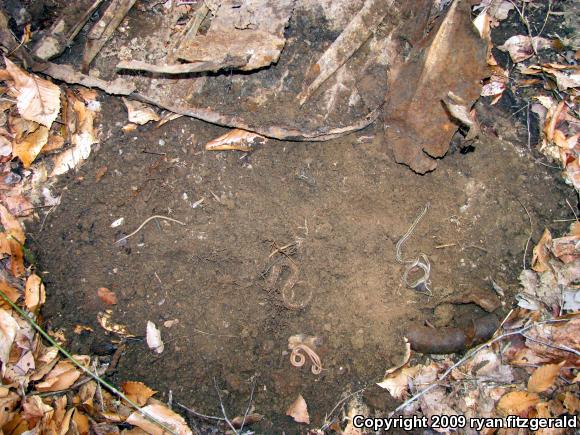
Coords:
37,99
107,324
237,139
100,173
34,293
9,291
33,409
517,403
107,296
19,205
54,143
572,403
62,376
162,414
522,47
298,410
8,330
30,146
138,392
543,378
140,113
248,421
541,253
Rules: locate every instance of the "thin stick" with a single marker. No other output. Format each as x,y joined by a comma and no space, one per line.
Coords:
146,222
341,401
197,414
467,357
223,407
249,405
86,371
531,233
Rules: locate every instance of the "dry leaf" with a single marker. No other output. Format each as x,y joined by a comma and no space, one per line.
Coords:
82,139
61,377
572,403
164,415
239,140
100,173
299,410
248,421
138,392
541,253
520,47
8,329
517,403
54,143
37,99
154,338
34,293
30,146
107,296
105,321
18,205
11,225
9,291
543,378
33,409
140,113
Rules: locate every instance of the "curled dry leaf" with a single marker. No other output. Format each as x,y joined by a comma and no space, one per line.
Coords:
8,329
298,410
237,139
107,296
30,146
544,377
140,113
34,293
517,403
522,47
138,392
37,99
396,378
9,291
82,139
248,421
154,338
61,377
541,253
33,409
160,413
105,321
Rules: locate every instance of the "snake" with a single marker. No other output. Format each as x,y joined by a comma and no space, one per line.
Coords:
422,284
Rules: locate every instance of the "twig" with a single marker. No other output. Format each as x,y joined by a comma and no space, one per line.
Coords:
340,402
249,405
197,414
86,371
468,356
553,346
531,233
145,223
223,408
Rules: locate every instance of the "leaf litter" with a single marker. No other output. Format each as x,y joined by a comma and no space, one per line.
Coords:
538,339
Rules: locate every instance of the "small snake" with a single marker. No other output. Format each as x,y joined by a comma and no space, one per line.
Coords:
422,284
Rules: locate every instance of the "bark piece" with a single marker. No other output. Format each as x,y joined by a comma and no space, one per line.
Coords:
65,29
104,29
452,58
253,29
350,40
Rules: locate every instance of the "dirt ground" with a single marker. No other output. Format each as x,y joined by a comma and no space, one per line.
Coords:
343,203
